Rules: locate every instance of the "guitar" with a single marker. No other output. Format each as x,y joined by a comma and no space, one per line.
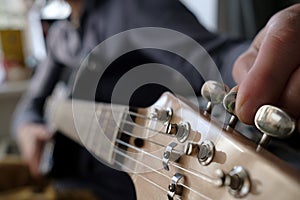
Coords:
174,150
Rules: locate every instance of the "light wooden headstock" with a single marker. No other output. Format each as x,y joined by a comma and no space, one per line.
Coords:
212,162
172,150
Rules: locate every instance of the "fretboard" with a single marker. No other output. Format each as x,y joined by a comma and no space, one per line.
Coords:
95,125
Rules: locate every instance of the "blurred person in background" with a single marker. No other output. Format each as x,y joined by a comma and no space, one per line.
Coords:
273,54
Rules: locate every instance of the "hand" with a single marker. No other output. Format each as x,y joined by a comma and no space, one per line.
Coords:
31,139
268,72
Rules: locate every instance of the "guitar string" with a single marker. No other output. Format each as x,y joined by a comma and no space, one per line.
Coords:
138,161
203,177
140,115
137,125
145,117
127,111
158,186
198,174
138,174
152,170
132,135
143,127
210,180
155,171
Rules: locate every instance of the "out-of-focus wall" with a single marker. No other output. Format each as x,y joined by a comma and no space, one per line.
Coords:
205,11
10,93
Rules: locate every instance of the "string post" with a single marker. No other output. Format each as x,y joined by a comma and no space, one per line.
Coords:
181,131
174,187
191,148
237,181
162,115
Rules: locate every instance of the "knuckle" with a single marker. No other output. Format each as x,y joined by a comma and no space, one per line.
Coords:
285,26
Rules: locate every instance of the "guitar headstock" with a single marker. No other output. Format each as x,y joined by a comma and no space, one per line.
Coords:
188,154
173,149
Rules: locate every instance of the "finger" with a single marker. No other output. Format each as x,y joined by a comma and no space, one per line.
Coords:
291,95
35,160
34,166
31,140
277,58
243,64
42,133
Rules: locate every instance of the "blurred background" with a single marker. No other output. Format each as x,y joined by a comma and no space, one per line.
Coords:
23,31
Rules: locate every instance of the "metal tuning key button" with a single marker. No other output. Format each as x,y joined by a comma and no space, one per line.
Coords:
174,187
274,122
214,93
181,131
229,105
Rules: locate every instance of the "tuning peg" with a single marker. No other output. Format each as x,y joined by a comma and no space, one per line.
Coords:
273,122
229,105
214,93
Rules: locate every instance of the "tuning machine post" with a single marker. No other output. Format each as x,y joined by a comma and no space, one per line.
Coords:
273,122
181,131
237,181
174,187
214,93
205,151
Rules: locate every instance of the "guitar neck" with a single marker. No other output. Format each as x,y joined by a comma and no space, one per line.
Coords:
98,124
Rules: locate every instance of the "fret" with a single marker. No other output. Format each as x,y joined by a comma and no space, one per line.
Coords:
95,125
96,134
83,118
122,149
105,130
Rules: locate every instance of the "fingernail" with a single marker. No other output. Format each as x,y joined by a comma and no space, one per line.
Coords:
235,88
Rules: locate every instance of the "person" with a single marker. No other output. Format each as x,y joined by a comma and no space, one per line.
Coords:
69,41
